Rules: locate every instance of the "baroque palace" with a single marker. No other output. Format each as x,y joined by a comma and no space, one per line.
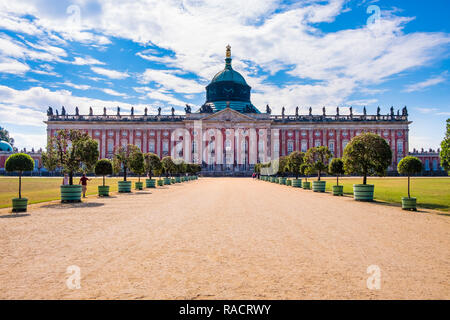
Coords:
228,134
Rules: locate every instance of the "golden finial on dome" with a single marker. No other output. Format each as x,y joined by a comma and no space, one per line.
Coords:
228,55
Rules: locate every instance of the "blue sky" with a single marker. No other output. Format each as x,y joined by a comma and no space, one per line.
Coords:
163,53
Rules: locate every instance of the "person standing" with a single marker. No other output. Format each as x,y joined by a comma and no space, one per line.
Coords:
65,179
83,182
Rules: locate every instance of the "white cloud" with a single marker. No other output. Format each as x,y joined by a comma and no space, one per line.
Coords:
85,61
112,74
426,110
113,92
425,84
77,86
8,65
169,81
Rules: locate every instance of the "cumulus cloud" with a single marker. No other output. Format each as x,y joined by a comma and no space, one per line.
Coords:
425,84
112,74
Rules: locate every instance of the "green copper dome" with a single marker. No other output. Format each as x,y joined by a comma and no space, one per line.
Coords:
5,146
229,89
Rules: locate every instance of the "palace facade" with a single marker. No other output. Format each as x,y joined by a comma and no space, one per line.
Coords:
228,134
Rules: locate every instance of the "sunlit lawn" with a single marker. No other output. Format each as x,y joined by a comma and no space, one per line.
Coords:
38,189
431,193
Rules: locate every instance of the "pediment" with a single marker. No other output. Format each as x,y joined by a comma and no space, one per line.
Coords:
228,115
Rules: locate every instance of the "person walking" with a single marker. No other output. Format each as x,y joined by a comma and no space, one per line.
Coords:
83,182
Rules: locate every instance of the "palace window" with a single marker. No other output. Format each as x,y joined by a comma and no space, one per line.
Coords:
110,147
317,133
152,133
211,132
194,146
344,133
137,143
290,134
290,147
97,133
228,144
400,146
435,165
110,133
399,133
427,165
124,133
317,143
138,133
304,146
261,146
165,146
331,134
151,146
165,133
276,146
261,132
331,146
303,133
344,144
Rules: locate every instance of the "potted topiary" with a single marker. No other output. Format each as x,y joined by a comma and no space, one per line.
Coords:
20,163
366,154
168,167
137,165
318,158
73,151
295,160
282,169
306,170
103,168
336,167
409,166
152,164
180,169
121,163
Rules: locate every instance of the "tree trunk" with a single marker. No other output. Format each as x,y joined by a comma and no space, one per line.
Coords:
365,178
409,195
71,178
20,184
318,176
124,173
337,180
103,180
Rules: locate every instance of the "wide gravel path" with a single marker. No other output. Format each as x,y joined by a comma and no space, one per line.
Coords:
224,238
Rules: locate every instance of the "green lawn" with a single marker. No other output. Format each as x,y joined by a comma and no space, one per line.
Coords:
431,193
39,189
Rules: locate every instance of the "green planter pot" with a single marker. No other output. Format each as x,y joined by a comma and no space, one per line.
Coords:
124,186
167,181
282,181
183,179
273,179
338,190
19,204
178,179
306,185
319,186
160,182
71,193
288,182
363,192
297,183
172,181
409,203
150,183
138,185
103,191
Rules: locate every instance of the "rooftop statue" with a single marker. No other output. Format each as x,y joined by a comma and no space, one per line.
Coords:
337,111
351,111
324,111
282,111
132,111
378,111
104,111
63,111
118,111
187,109
77,112
268,110
145,111
364,111
296,111
159,111
310,111
173,111
49,111
392,111
91,112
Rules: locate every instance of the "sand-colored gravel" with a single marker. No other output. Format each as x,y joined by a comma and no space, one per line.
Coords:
224,238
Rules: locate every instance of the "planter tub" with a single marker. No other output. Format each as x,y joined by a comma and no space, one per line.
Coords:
306,185
297,183
273,179
160,182
338,190
150,183
138,185
167,181
71,193
172,180
319,186
282,180
178,179
409,203
19,204
289,182
103,191
363,192
124,186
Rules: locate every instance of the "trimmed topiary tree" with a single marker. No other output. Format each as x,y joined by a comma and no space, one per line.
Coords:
409,166
336,167
318,158
20,163
168,168
103,168
122,163
152,166
295,160
306,170
73,151
445,149
367,154
137,165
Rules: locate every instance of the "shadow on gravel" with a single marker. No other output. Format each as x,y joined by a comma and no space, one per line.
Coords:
73,205
13,215
143,192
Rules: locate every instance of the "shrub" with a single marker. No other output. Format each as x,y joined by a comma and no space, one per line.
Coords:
123,157
318,158
409,166
168,165
295,160
152,164
19,162
367,154
336,167
103,168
